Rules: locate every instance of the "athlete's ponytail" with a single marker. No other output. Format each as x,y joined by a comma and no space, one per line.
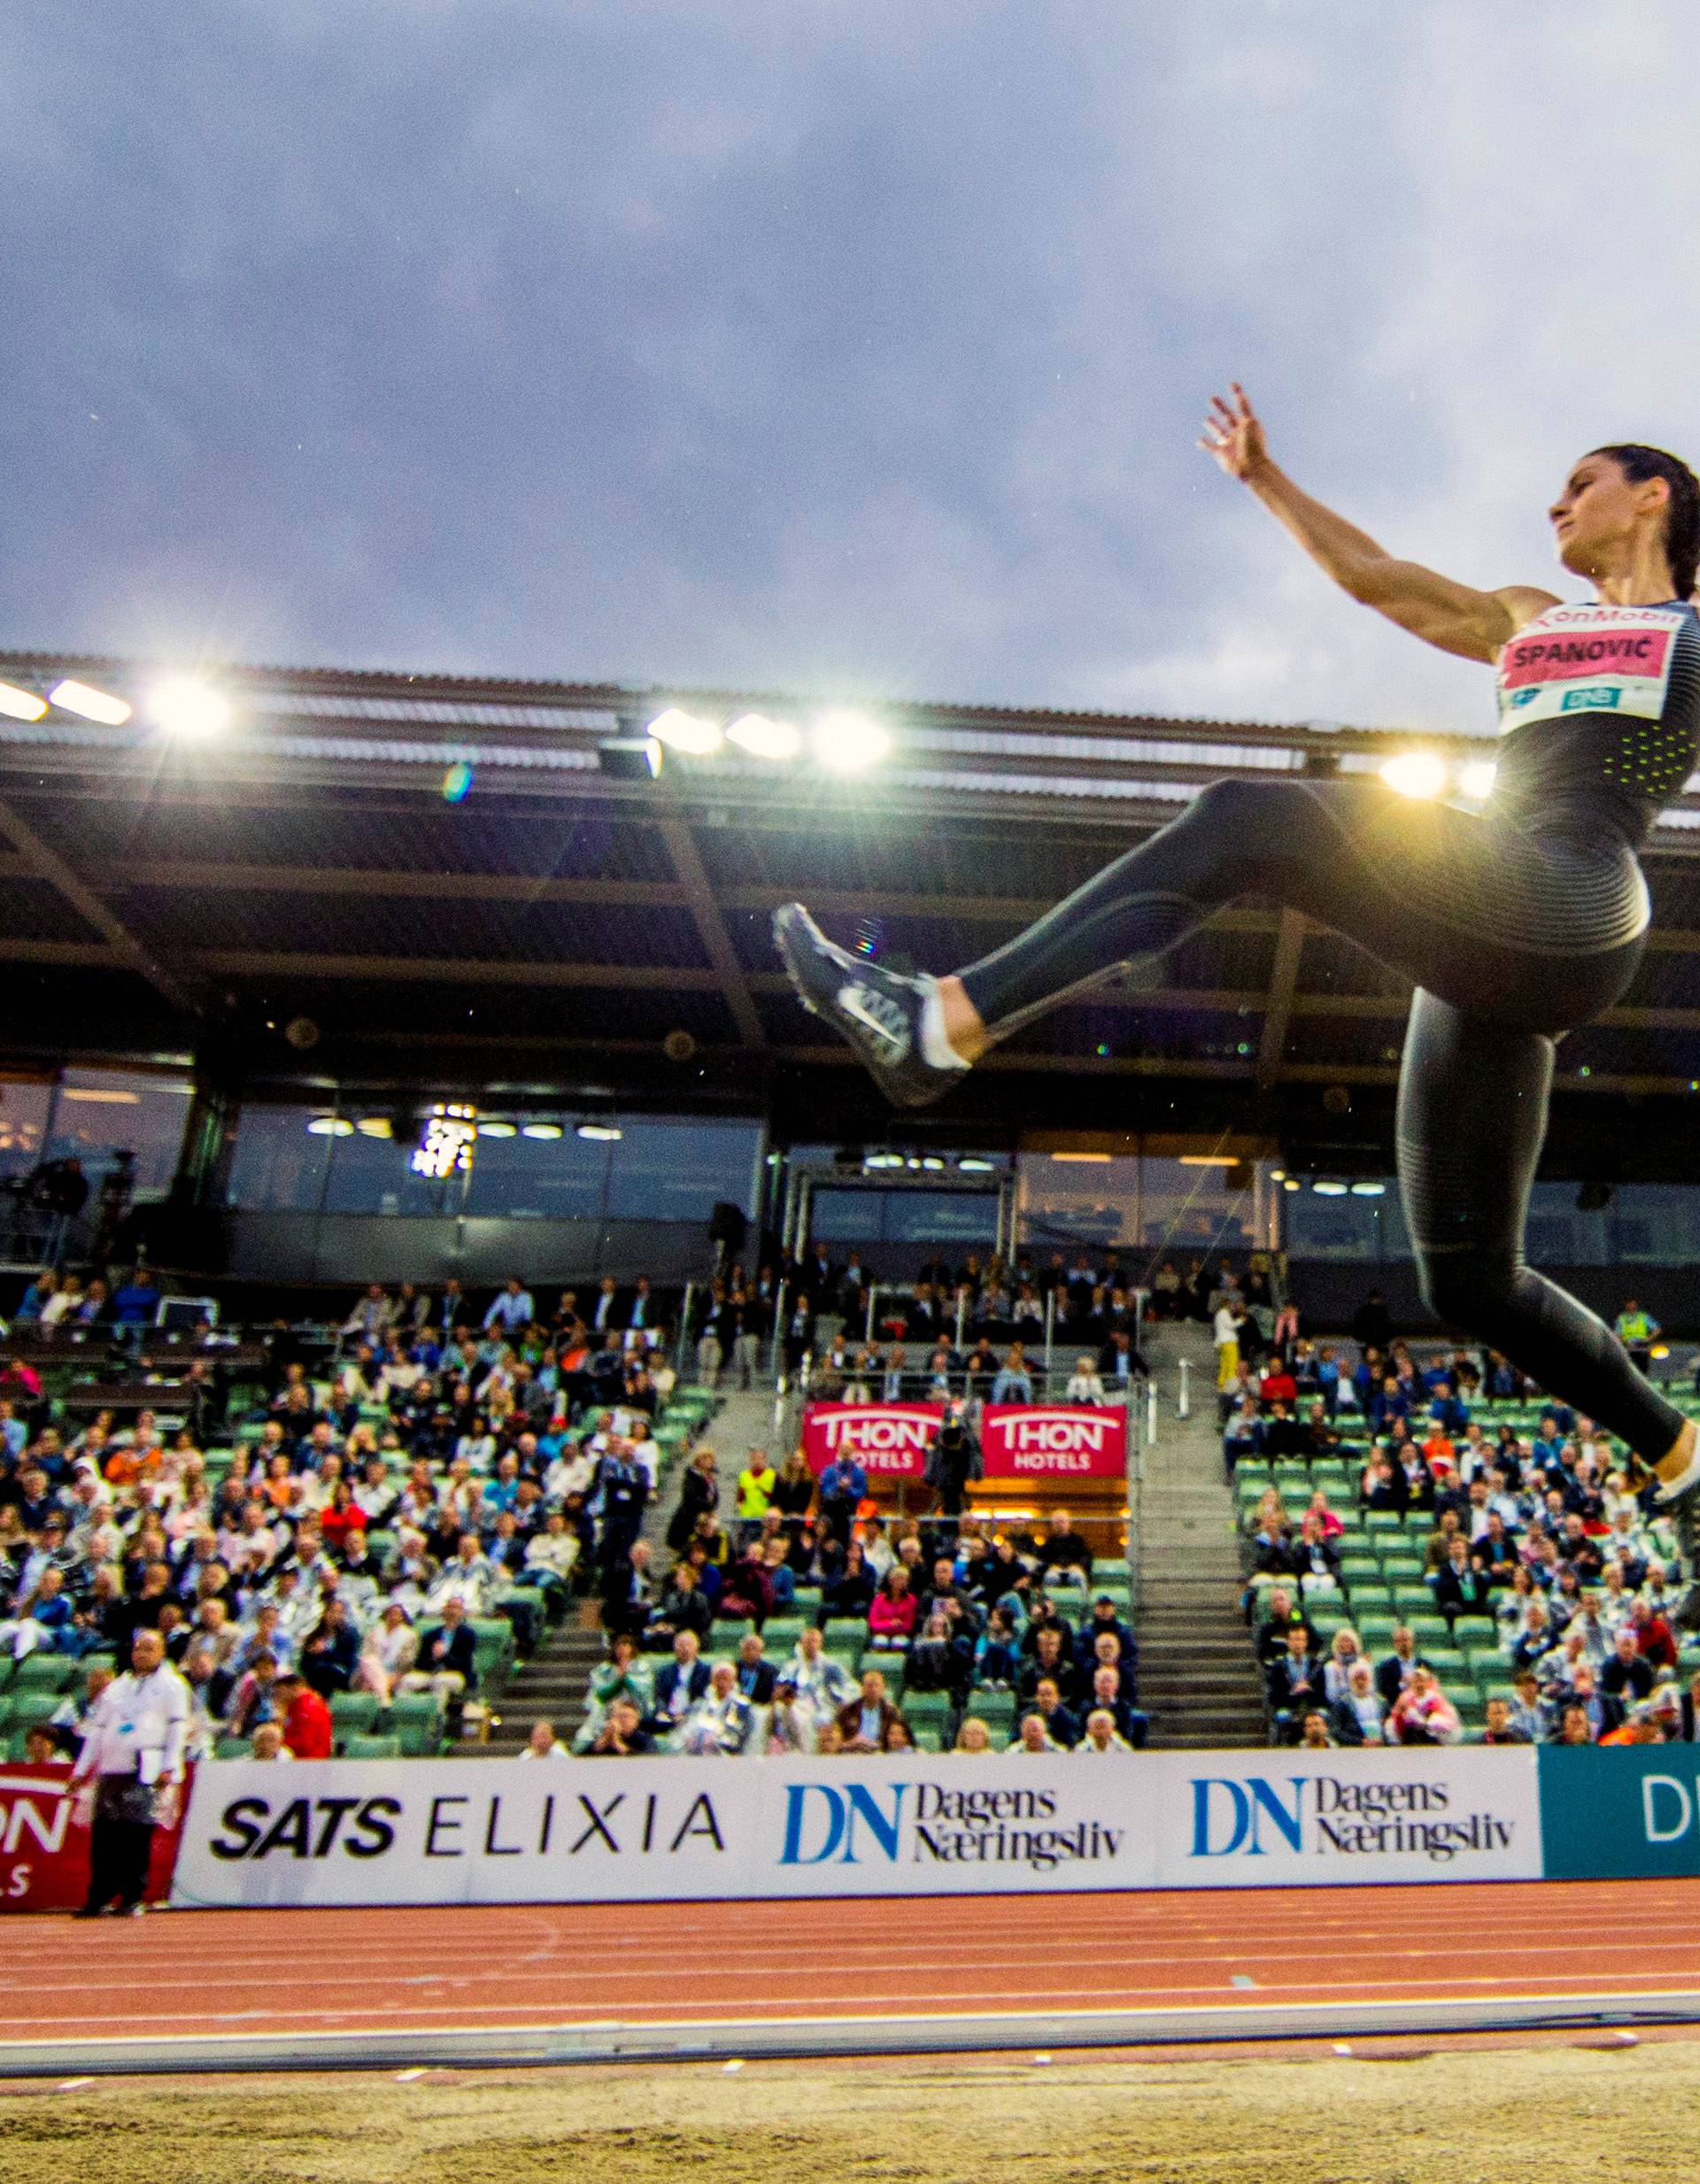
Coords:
1682,518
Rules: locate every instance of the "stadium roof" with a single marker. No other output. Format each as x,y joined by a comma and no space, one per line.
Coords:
166,894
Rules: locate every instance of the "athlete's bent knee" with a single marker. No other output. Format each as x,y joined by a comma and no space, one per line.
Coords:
1468,1289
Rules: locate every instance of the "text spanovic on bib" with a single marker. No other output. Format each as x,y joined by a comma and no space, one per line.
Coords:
1589,659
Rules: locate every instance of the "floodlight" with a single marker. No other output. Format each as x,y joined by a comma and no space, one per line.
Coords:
545,1132
1329,1190
1477,779
497,1130
685,731
599,1133
764,738
20,704
847,741
1369,1190
186,707
331,1126
1415,773
92,704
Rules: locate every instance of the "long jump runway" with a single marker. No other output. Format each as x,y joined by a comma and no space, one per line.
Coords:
200,1990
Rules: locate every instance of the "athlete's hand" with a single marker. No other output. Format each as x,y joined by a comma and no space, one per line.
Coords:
1234,434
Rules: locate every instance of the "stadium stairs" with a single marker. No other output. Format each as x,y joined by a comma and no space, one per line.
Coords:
1197,1677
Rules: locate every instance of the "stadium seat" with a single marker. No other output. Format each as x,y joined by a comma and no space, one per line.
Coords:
415,1724
29,1707
232,1748
44,1672
353,1712
373,1748
996,1710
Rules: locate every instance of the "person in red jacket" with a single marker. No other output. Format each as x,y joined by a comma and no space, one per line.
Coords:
1654,1639
307,1728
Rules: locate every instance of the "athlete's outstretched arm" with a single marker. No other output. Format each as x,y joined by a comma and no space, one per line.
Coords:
1455,617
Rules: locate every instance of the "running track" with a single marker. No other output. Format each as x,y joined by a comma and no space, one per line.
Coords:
533,1982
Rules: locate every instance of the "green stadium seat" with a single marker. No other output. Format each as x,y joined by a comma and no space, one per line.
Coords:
232,1748
928,1740
781,1634
996,1710
353,1712
44,1672
372,1748
5,1711
29,1707
415,1724
807,1601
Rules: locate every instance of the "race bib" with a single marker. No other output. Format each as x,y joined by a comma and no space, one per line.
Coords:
1589,659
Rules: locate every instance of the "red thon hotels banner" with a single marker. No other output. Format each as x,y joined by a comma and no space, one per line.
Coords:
1055,1441
1058,1442
889,1441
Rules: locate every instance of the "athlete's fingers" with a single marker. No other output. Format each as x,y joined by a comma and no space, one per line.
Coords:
1225,410
1246,410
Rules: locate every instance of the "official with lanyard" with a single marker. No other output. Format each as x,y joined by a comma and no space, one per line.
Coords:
134,1738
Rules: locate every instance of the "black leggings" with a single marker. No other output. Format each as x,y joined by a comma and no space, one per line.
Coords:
1511,936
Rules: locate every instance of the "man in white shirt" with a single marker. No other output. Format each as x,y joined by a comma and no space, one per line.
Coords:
132,1744
512,1309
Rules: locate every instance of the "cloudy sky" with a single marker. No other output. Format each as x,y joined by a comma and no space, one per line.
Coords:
844,345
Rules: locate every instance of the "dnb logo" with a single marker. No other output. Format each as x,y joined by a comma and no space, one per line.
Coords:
826,1824
1231,1816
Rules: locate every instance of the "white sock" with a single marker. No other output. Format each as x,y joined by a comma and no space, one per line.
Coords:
936,1050
1672,1490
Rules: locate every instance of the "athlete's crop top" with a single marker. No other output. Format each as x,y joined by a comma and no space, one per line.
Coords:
1599,710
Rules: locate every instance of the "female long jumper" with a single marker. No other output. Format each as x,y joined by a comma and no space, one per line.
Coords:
1516,925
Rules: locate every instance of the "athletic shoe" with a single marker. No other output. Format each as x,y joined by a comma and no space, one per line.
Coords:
879,1011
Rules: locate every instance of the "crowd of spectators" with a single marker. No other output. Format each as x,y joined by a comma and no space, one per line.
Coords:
1542,1550
996,1637
440,1465
975,1332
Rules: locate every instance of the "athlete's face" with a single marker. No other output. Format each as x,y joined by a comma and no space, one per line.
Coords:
1600,514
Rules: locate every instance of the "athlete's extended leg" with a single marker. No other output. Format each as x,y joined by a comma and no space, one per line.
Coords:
1430,890
1473,1116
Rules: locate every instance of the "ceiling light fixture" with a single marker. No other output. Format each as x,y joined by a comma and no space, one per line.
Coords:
764,738
686,731
90,704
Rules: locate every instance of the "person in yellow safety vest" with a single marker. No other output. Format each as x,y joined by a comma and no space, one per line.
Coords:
1636,1331
756,1485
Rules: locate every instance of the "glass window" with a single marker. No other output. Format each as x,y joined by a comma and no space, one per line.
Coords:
1653,1224
888,1216
1323,1225
276,1164
24,1107
526,1178
102,1115
667,1169
372,1172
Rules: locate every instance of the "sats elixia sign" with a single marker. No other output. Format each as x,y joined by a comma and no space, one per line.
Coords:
674,1830
1031,1441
